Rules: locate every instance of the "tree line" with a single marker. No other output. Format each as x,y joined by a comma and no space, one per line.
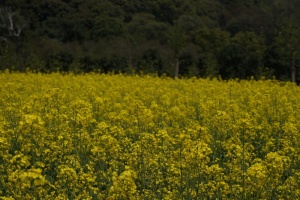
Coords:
204,38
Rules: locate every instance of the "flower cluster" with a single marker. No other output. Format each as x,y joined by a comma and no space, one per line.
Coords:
116,137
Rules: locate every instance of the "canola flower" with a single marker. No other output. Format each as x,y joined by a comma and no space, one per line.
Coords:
115,137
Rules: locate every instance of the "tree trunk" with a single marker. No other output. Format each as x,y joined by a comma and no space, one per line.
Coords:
176,72
293,68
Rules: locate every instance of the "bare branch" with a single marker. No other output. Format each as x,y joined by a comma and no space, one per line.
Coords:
19,29
8,22
3,22
11,24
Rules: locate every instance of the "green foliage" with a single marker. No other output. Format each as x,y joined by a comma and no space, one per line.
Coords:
151,62
144,26
287,42
105,27
60,61
243,57
210,42
287,46
232,58
210,13
204,38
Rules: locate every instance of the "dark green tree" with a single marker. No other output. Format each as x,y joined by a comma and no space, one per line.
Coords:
286,40
177,41
232,61
287,45
191,35
210,42
151,62
243,57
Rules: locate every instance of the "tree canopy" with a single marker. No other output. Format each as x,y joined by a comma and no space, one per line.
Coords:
204,38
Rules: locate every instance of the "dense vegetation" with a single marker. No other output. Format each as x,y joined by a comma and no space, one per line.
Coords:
123,137
231,38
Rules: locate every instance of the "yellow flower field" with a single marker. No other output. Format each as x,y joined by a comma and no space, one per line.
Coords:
119,137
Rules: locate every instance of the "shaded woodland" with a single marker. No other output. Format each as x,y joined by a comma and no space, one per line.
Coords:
203,38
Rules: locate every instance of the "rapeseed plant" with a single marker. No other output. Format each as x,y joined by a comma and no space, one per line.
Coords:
98,136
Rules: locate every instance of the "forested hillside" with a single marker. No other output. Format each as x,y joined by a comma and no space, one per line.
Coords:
205,38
